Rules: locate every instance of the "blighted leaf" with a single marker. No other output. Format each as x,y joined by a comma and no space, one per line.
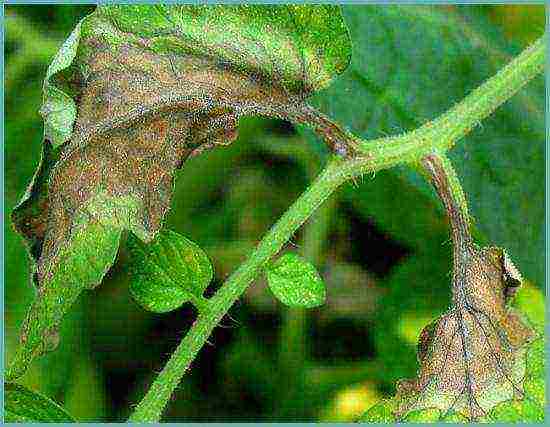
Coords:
168,272
527,406
22,405
295,282
474,358
153,86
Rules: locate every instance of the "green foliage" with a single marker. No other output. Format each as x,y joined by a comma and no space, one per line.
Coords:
454,51
59,108
22,405
168,272
303,46
295,282
81,265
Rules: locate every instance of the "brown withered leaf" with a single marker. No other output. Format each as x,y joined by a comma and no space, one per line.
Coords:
132,94
141,114
473,357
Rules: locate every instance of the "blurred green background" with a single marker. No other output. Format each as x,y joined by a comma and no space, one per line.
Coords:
381,244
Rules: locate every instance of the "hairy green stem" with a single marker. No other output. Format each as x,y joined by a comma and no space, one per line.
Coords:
461,119
150,408
293,351
438,135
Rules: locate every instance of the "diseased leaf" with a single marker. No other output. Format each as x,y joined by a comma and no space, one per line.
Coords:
168,272
153,86
527,408
295,282
473,359
22,405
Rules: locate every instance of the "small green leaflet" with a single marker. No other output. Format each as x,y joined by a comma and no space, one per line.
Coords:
25,406
295,282
168,272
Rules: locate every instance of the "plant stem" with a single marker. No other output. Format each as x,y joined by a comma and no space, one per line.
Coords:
479,104
435,136
293,349
461,119
447,185
445,181
150,408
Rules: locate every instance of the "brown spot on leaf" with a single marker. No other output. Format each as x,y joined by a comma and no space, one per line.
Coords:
140,115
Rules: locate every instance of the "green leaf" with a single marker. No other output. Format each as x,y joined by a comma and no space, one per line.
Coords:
382,412
80,265
303,46
168,272
152,86
530,301
295,282
58,107
22,405
501,163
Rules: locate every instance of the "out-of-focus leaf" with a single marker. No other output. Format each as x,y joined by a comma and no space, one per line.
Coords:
168,272
25,406
530,301
295,282
349,403
154,85
248,362
520,22
413,287
85,381
410,64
